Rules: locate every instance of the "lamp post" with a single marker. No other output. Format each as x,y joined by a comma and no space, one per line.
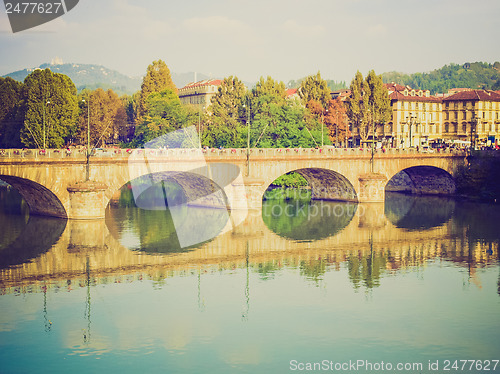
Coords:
199,124
411,120
87,169
44,137
248,136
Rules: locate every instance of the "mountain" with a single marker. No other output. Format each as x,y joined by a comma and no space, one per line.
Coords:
88,76
97,76
469,75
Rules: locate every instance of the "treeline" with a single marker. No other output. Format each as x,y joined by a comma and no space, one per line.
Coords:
476,75
46,111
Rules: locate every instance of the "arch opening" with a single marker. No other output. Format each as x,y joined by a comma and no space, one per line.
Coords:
24,236
167,212
422,180
325,184
41,201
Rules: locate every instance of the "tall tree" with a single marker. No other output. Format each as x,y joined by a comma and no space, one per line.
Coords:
379,102
11,118
51,109
229,109
157,79
357,105
315,88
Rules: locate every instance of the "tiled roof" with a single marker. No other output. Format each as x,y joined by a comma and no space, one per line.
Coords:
209,82
395,86
398,96
475,95
291,92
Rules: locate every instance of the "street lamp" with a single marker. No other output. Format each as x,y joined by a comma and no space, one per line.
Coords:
248,136
199,124
411,120
44,103
323,125
87,172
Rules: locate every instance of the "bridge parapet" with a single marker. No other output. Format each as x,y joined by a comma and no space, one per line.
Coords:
216,153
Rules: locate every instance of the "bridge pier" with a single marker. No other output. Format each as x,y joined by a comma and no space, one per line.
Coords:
87,200
371,188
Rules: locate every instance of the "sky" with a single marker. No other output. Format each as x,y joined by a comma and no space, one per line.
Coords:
284,39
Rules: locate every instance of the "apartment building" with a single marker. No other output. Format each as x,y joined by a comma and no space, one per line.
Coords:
472,114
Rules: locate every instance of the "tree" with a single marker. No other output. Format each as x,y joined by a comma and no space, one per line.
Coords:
157,79
228,115
11,116
357,105
315,88
164,114
107,116
51,109
379,103
369,105
337,122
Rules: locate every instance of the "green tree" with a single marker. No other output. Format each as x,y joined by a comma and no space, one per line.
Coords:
379,103
51,104
157,79
315,88
228,115
357,105
164,114
11,113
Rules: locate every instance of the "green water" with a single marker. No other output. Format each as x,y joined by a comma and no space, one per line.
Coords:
301,285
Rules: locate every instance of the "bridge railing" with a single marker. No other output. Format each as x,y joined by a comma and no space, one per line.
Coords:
225,153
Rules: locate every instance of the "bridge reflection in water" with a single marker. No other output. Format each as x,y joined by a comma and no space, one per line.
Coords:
374,239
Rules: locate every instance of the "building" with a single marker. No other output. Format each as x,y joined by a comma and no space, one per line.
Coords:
199,93
416,117
471,115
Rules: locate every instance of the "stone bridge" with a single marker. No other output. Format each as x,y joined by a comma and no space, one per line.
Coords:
53,182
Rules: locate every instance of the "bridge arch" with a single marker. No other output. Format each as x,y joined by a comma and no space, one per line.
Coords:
422,180
328,184
184,196
40,199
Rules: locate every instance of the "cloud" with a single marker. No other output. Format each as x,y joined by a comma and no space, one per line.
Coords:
291,26
219,25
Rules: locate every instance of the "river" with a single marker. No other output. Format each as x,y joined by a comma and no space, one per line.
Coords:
409,285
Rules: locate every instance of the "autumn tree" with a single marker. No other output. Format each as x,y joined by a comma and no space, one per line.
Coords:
157,79
229,109
51,109
337,122
11,114
105,112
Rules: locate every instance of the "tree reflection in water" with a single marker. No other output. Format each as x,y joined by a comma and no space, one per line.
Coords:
304,220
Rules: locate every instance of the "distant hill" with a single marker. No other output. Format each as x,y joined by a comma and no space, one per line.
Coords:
480,75
88,76
97,76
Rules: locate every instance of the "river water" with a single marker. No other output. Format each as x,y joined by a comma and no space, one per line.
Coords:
411,285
